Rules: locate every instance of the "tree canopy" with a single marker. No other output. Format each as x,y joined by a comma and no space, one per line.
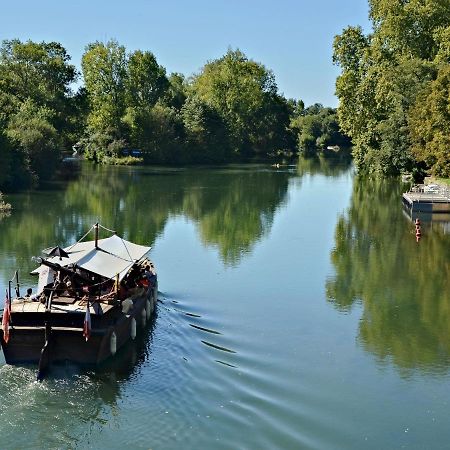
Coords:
230,110
36,108
388,81
317,128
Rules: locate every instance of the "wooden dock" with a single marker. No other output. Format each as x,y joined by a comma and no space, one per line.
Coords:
421,199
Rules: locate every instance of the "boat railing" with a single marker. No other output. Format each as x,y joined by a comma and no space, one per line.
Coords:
15,279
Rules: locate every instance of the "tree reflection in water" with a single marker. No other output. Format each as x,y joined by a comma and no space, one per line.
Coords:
402,285
233,208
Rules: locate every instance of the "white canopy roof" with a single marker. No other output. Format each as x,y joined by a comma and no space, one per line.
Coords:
113,256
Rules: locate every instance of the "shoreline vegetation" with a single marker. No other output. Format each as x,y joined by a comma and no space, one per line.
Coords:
129,111
393,91
394,88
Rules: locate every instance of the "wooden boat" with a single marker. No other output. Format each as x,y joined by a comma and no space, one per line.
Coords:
92,297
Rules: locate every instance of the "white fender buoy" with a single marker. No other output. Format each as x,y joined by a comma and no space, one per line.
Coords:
148,309
113,343
133,328
144,317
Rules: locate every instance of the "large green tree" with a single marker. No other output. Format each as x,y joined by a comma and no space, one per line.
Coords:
430,124
31,131
384,75
146,80
244,93
104,71
206,132
35,109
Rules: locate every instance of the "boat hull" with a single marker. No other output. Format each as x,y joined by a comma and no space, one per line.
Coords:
26,343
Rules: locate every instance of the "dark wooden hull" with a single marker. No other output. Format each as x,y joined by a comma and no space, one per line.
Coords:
67,343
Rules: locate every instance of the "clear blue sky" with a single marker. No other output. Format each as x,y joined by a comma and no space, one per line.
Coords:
293,38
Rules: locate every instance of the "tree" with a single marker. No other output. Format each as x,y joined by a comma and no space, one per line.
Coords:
316,128
429,124
176,93
146,80
104,71
37,71
206,132
158,132
244,93
30,129
35,90
383,75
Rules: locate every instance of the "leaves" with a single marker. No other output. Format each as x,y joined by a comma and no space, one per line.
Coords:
384,75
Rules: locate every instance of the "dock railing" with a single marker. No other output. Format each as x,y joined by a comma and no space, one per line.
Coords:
439,192
444,191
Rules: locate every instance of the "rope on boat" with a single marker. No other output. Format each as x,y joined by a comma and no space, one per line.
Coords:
79,240
126,248
107,229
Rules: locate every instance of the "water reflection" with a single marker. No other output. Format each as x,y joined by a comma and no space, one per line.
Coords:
402,285
329,166
232,207
441,219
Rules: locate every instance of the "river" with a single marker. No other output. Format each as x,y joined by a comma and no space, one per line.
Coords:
296,311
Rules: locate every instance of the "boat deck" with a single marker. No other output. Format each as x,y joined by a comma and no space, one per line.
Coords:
19,305
63,304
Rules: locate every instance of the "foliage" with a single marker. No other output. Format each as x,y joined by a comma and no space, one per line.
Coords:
404,319
244,94
39,71
146,80
176,92
32,133
316,128
104,72
230,110
206,133
385,78
36,109
157,132
430,124
124,93
122,160
106,143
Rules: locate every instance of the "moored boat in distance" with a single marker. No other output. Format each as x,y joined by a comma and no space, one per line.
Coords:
92,297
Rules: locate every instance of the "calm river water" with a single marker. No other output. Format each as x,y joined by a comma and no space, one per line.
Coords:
297,311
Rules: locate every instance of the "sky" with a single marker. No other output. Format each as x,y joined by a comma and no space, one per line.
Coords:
293,38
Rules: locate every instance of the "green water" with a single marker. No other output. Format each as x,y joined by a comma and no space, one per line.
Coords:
296,311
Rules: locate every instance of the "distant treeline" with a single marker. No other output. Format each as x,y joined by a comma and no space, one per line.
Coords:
394,89
231,110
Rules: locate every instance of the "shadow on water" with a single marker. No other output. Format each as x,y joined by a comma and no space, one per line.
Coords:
402,285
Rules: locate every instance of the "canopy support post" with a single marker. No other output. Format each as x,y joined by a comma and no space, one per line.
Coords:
96,235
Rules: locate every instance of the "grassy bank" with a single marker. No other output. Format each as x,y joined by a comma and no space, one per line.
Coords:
445,181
